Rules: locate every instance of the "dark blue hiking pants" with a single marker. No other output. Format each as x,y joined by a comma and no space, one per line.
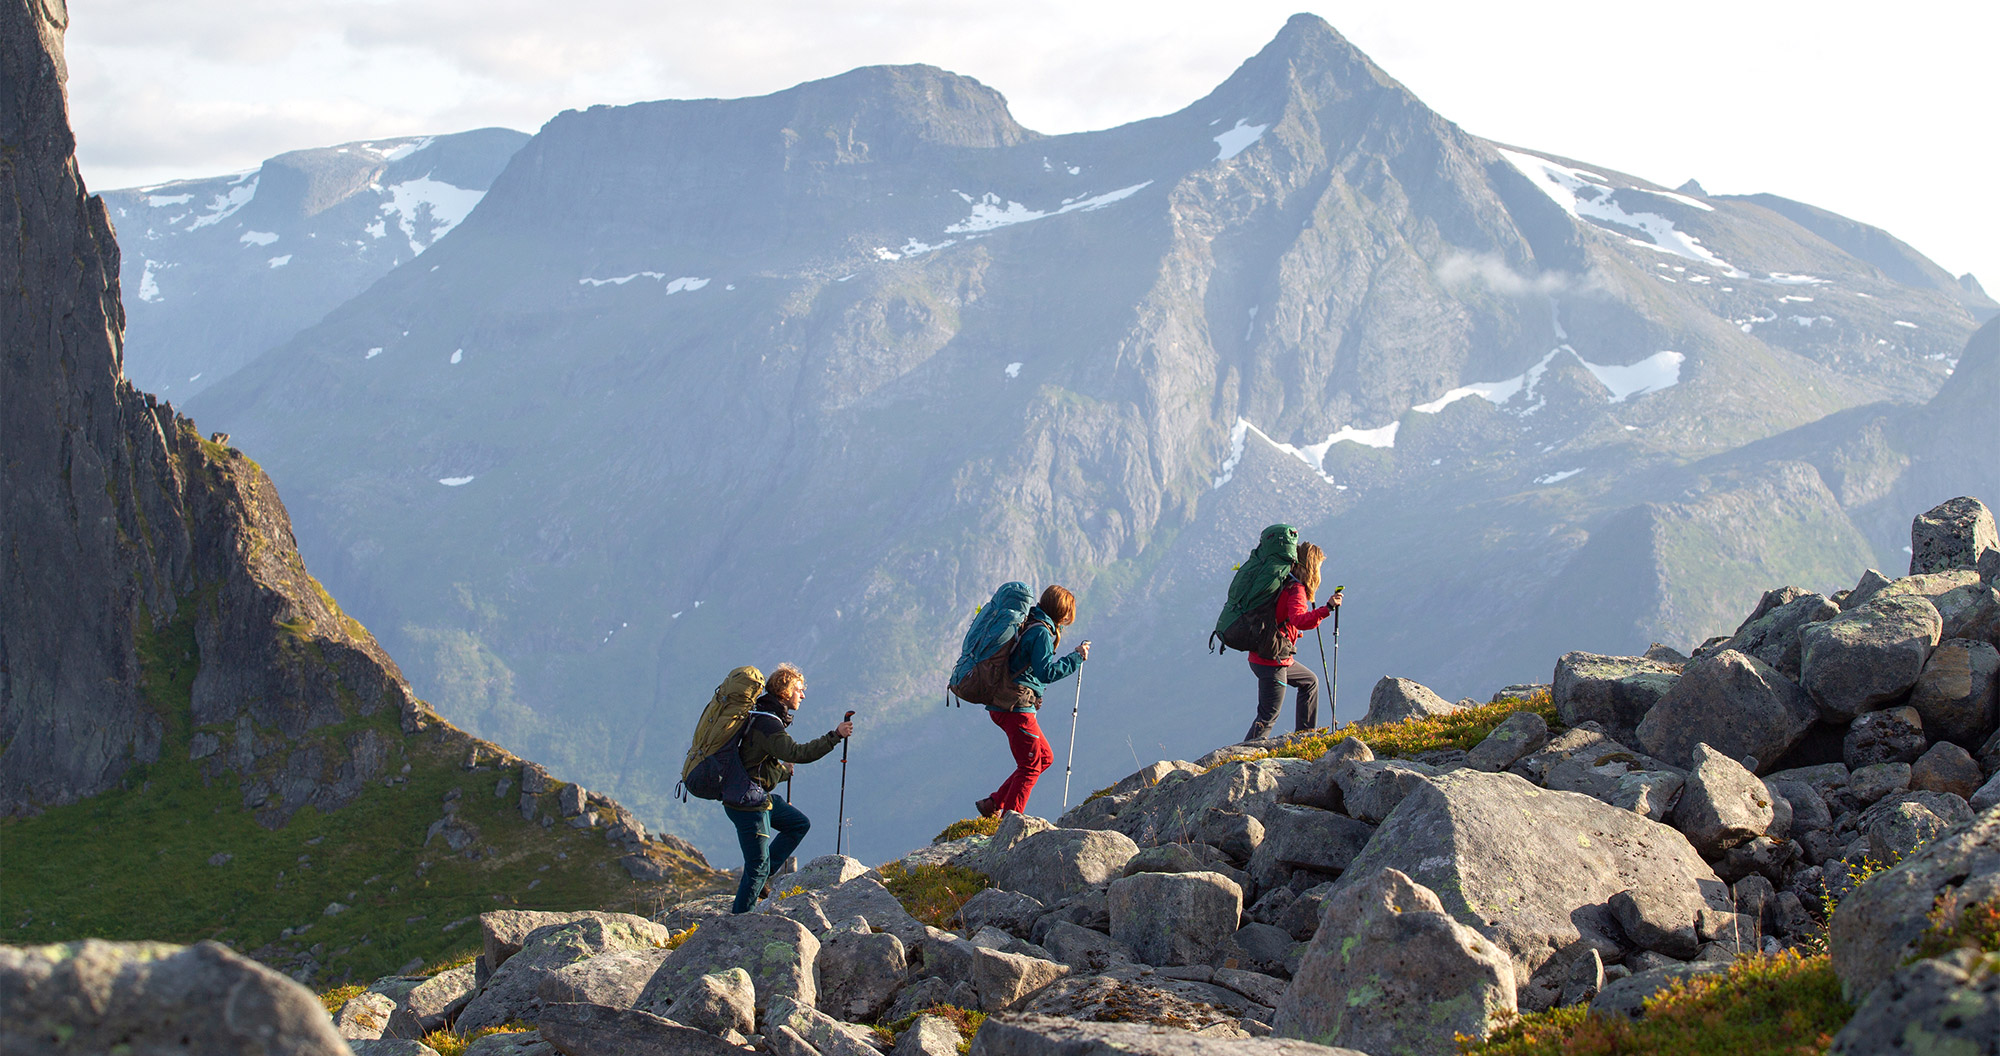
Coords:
760,849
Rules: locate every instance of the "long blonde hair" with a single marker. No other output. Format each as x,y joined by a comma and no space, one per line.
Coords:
1306,568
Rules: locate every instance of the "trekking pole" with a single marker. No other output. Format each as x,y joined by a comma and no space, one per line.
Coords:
1332,689
840,824
1067,766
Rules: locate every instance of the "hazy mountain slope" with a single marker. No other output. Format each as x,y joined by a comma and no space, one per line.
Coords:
805,376
225,267
184,711
1897,259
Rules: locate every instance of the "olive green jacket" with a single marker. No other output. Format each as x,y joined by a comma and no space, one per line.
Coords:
768,750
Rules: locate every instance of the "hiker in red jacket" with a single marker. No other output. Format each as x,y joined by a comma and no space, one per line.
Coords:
1034,666
1295,614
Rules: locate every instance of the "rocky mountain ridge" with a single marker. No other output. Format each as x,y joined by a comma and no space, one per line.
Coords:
158,624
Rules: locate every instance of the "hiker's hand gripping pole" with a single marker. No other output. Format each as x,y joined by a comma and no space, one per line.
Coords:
840,823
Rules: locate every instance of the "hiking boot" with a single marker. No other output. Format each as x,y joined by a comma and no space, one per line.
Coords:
986,808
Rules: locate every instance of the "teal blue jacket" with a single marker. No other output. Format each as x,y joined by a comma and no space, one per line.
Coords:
1035,663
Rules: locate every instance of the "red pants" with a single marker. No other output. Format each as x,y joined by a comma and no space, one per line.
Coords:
1032,755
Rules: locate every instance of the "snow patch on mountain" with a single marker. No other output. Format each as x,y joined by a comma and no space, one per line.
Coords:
1658,371
149,289
258,238
1313,455
159,201
225,205
455,482
1588,196
1557,478
991,212
436,205
279,262
1238,139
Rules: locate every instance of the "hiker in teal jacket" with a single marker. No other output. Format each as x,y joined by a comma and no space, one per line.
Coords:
1034,665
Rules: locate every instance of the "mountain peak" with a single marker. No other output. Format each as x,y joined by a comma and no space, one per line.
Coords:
1310,62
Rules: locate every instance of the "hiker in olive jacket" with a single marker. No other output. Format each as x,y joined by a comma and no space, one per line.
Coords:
1034,665
768,752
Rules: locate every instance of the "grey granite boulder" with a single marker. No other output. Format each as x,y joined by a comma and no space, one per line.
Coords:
1613,691
1627,996
1771,634
1900,823
1083,949
1174,918
1955,533
719,1002
863,896
437,1000
1658,919
1306,838
1398,976
1026,1034
1876,927
151,997
1956,695
1868,656
778,953
1399,699
1948,1004
1988,795
513,990
1894,735
594,1030
510,1043
827,1035
859,971
1165,858
1318,785
927,1036
1232,832
1531,869
1946,768
503,931
1128,993
1173,809
1519,734
1370,790
1010,911
1875,781
1050,866
995,980
613,979
1258,947
370,1015
1733,702
1722,804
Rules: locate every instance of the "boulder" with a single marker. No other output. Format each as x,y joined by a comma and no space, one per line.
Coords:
1301,918
1988,795
1933,585
1659,919
1627,996
1531,869
866,897
1257,947
1946,768
1317,785
1090,909
1399,975
784,1041
1010,911
778,954
994,939
509,1043
1648,793
1892,736
827,1035
828,870
1733,702
1771,634
1233,832
859,971
919,995
152,997
1722,804
1871,783
1868,656
502,931
1306,838
717,1003
1130,994
513,990
1898,824
1808,808
1165,858
995,980
1152,774
1944,1004
1521,733
1876,927
613,979
1955,696
1027,1034
1370,790
1050,866
389,1047
437,1000
370,1016
1085,950
1399,699
594,1030
927,1036
1613,691
1175,918
1955,533
1976,616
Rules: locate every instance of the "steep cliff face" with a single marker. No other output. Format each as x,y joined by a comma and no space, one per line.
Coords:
174,685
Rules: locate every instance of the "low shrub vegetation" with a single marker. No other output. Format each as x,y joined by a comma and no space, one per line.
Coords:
933,893
1403,740
447,1043
1784,1004
967,1020
959,830
339,996
1976,926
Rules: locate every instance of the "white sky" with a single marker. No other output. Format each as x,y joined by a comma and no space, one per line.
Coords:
1882,112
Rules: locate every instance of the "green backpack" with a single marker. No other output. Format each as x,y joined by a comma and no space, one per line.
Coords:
713,769
1249,620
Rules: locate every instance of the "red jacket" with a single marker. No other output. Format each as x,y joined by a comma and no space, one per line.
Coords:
1293,616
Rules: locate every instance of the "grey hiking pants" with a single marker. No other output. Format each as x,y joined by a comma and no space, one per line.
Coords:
1271,683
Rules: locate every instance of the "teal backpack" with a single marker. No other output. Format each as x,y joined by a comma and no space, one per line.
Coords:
1249,619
